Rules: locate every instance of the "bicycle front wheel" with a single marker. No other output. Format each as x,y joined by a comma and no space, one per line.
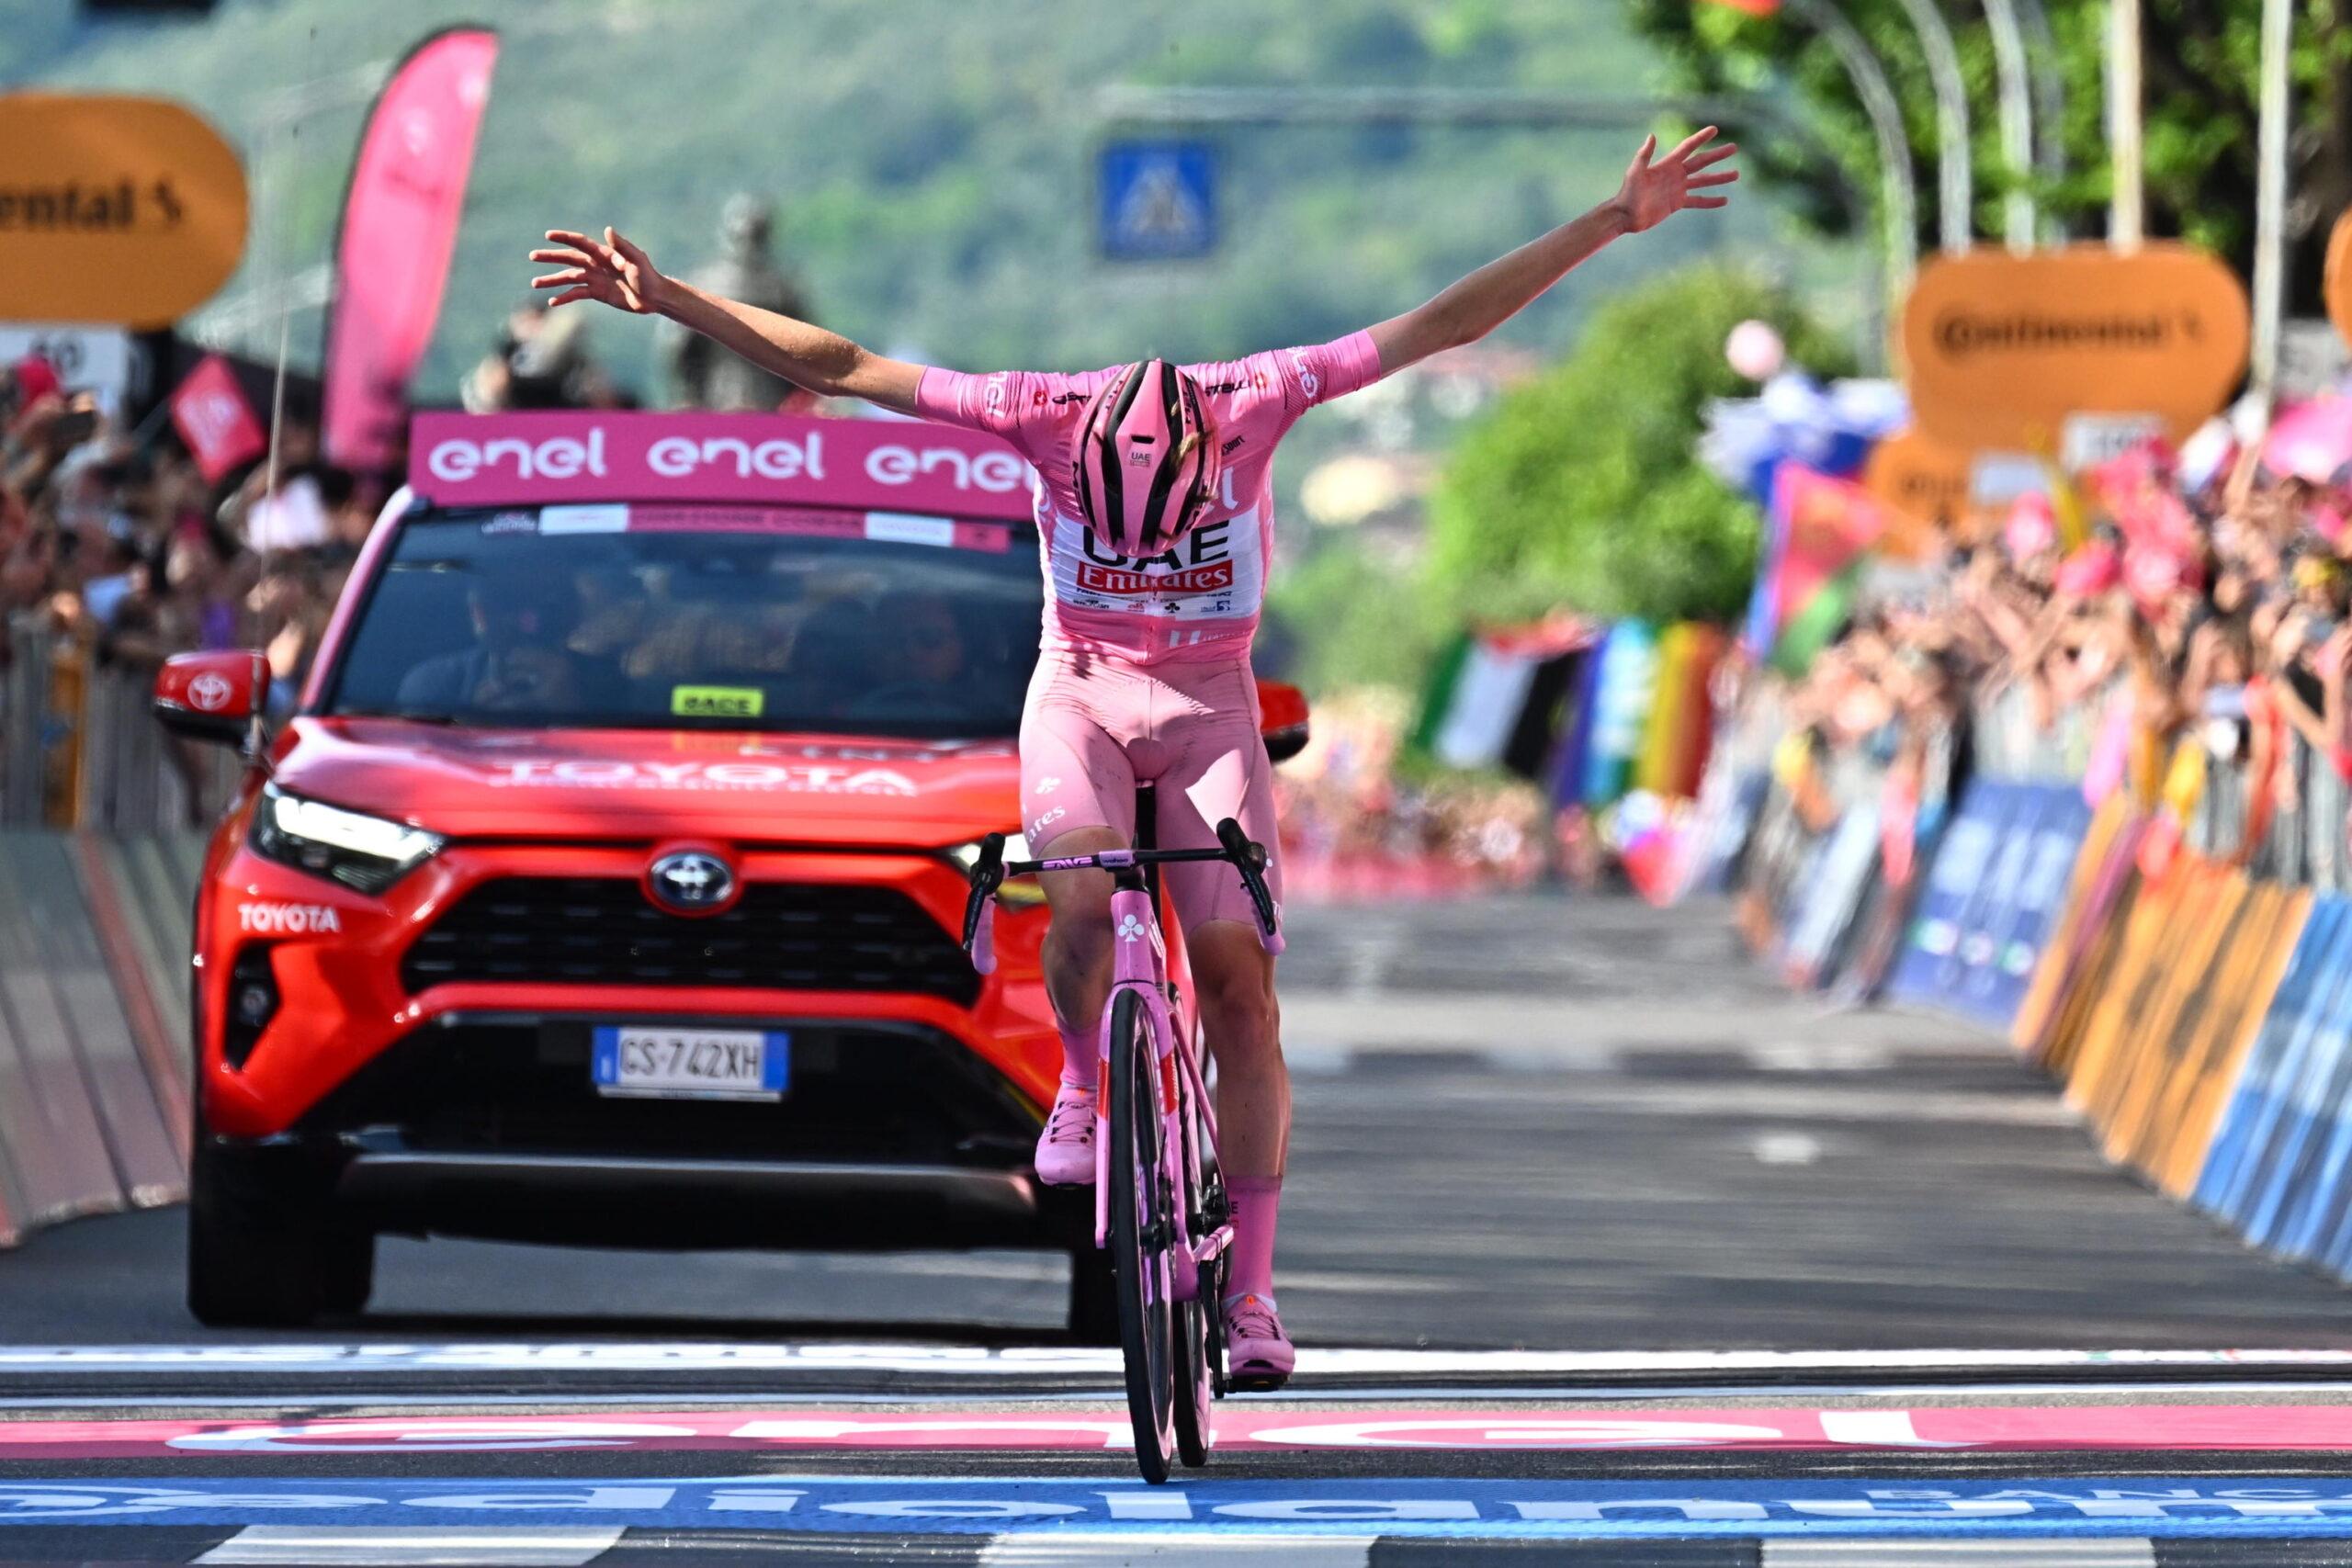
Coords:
1140,1233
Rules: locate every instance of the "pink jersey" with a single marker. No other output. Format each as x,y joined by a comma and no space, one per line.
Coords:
1201,600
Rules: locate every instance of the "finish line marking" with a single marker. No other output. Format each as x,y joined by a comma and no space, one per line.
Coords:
2211,1427
1026,1361
2134,1507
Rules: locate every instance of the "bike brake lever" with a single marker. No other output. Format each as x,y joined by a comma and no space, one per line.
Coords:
1249,860
988,875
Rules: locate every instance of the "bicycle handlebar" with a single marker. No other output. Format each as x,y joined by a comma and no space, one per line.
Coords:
1235,847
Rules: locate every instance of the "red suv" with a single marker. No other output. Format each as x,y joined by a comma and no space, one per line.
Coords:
604,885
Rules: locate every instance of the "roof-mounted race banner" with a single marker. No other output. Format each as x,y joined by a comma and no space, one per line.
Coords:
557,455
400,222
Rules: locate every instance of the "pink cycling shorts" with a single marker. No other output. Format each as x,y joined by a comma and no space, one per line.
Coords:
1097,725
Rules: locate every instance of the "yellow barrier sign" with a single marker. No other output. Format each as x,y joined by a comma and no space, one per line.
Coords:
1919,478
113,210
2000,349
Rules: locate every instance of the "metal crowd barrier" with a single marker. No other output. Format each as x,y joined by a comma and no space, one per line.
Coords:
78,748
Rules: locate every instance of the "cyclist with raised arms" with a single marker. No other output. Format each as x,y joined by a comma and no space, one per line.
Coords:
1156,516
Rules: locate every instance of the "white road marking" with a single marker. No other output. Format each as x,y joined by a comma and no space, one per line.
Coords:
1786,1149
508,1547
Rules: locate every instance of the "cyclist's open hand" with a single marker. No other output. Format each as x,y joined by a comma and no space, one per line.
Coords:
612,271
1654,192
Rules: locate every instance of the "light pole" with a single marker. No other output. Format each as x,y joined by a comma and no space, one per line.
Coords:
2270,195
2125,222
2017,120
1955,186
1899,197
2048,90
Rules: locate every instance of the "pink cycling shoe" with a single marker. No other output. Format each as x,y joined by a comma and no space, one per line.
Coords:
1066,1148
1258,1355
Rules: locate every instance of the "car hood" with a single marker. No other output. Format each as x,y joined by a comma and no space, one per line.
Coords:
540,784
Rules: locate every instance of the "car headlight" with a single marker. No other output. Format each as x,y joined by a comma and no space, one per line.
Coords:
1014,890
366,852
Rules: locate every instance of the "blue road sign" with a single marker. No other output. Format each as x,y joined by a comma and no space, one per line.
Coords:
1159,200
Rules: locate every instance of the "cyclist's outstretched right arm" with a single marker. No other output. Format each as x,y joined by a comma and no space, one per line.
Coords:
617,273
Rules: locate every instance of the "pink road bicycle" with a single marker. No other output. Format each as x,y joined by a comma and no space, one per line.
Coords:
1160,1199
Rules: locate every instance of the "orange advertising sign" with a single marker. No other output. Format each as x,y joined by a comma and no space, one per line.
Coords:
113,210
2001,348
1919,478
2335,280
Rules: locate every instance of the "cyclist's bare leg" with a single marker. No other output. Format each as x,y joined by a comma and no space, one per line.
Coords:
1233,977
1078,944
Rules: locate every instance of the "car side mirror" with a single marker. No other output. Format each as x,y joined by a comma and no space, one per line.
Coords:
1281,719
210,696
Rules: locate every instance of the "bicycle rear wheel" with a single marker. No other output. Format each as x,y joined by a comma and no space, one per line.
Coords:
1140,1233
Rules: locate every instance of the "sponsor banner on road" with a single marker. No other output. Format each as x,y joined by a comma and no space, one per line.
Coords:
2130,1506
2221,1428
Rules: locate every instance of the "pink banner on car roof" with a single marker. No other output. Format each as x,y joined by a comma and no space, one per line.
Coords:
557,457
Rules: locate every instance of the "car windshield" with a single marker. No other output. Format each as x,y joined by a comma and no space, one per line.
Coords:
733,619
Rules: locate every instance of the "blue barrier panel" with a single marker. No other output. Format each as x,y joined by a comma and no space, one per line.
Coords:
1833,894
1930,957
2023,890
2318,1079
2234,1165
2066,820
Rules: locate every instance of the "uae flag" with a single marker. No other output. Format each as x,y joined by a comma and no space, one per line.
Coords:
1498,698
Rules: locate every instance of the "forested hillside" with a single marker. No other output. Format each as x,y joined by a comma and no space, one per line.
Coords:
932,160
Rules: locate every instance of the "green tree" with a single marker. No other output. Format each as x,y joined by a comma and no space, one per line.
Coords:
2200,59
1582,488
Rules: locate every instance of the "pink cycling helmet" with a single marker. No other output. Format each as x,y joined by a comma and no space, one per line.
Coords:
1146,462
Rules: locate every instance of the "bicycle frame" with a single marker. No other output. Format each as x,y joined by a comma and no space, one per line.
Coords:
1140,965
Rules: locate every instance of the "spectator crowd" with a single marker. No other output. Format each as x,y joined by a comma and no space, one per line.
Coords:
2173,623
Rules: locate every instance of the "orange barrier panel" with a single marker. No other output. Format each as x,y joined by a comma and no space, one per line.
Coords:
2165,920
2179,1129
2071,934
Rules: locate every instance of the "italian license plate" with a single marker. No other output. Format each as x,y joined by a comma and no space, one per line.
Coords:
657,1063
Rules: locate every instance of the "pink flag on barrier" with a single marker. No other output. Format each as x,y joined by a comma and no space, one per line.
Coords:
400,222
210,411
2312,440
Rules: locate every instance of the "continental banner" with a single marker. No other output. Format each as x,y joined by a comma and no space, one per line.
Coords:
2001,349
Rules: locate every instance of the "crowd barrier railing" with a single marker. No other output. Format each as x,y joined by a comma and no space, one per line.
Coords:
2181,966
95,1066
79,749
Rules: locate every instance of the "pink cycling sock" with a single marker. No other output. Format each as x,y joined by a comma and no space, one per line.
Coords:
1081,1062
1257,1208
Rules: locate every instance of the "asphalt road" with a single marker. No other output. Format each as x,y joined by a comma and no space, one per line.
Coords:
1554,1160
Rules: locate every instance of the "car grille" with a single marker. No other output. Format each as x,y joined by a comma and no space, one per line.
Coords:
602,931
877,1092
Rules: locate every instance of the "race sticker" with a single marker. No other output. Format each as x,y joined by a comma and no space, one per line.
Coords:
718,702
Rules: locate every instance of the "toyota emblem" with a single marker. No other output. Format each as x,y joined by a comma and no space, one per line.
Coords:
691,881
209,692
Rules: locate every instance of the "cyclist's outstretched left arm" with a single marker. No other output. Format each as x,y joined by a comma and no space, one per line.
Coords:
1652,192
617,273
